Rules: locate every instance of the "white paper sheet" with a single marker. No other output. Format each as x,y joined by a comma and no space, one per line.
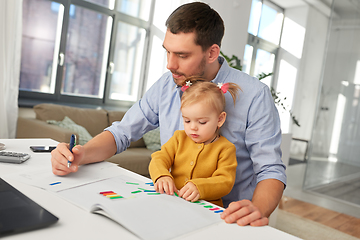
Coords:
45,179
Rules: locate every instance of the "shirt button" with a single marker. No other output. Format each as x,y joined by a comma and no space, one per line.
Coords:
191,163
186,179
199,147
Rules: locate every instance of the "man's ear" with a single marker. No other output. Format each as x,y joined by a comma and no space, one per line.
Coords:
222,118
214,52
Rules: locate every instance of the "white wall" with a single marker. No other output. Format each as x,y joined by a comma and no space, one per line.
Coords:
289,60
235,14
310,73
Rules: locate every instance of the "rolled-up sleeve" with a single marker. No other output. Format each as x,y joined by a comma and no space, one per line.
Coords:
263,138
142,117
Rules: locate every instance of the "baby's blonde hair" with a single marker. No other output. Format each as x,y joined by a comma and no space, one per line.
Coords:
207,92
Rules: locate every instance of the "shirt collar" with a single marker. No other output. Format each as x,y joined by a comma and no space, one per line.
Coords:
223,71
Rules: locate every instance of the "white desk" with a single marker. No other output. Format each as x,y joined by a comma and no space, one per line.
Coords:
75,223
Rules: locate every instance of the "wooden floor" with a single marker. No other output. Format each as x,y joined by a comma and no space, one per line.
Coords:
342,222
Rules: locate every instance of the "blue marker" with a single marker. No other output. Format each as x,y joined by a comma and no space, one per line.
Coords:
52,184
72,144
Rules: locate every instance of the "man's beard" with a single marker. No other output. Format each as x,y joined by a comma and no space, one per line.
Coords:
201,72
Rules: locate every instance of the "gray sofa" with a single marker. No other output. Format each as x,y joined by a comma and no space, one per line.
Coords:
136,158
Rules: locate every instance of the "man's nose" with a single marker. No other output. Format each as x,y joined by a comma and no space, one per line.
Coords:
172,62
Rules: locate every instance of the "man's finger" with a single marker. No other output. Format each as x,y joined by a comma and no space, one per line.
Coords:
231,214
260,222
243,212
59,172
248,218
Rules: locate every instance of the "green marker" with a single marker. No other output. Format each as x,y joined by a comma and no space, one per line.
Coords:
138,191
115,197
132,183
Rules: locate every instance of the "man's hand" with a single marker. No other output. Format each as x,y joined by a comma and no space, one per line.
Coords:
244,212
189,192
266,197
101,147
60,156
166,185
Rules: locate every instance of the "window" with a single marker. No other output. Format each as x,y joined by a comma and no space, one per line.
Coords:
247,58
135,8
265,25
85,51
271,37
42,25
87,47
157,54
128,54
105,3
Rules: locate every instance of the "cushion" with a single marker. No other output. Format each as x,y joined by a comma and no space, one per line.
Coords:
84,135
134,159
93,120
152,139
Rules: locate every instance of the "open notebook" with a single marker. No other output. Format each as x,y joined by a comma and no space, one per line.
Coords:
137,207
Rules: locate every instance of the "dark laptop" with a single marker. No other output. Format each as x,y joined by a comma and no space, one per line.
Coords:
18,213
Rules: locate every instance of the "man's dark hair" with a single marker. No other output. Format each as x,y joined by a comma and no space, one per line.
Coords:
199,18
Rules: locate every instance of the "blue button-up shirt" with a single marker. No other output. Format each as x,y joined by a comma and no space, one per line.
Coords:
252,125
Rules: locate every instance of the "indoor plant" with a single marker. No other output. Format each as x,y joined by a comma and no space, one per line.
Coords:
235,62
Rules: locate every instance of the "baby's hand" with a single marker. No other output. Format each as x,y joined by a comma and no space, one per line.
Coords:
189,192
165,184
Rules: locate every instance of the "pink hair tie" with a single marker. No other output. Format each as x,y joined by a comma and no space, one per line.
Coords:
186,86
224,87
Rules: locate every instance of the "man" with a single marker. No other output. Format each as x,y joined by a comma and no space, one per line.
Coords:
192,42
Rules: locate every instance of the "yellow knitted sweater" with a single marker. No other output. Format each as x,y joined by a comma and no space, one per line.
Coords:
211,167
